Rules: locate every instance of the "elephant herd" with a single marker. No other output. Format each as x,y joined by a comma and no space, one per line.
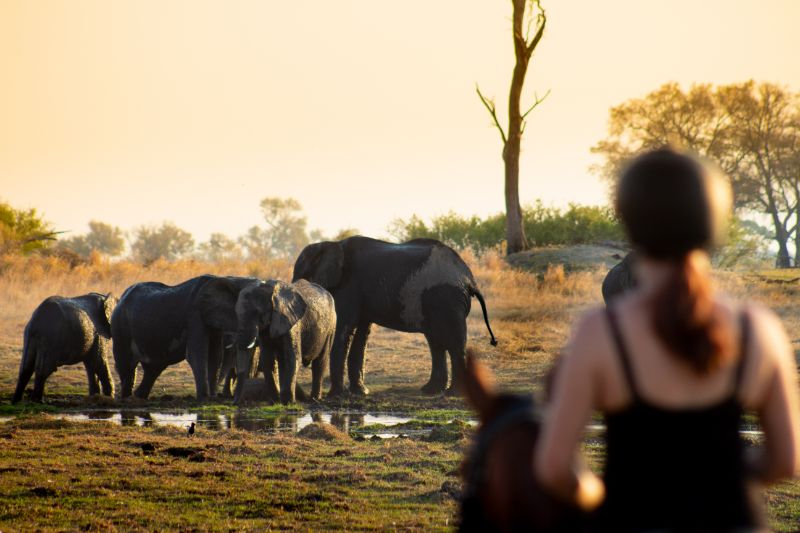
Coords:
324,316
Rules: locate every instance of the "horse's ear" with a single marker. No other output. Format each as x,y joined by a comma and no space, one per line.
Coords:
478,384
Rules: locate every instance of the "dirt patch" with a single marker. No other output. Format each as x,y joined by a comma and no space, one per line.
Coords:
322,431
573,258
452,432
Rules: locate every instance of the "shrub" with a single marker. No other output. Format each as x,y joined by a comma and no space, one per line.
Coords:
543,226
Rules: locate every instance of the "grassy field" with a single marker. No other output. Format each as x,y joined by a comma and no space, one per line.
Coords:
65,475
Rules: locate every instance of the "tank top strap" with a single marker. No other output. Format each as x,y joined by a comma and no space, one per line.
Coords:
622,351
744,336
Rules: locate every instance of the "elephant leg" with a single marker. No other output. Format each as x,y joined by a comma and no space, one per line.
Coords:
197,354
288,361
457,350
228,378
318,372
40,376
45,365
300,395
438,380
91,373
268,363
126,366
446,308
26,367
214,361
341,346
356,359
100,364
150,373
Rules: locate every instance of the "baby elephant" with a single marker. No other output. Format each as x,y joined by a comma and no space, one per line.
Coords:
292,322
66,331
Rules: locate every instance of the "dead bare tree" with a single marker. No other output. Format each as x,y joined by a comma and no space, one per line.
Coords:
524,45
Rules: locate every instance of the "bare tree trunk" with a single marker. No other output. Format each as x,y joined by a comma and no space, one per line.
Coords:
515,230
523,50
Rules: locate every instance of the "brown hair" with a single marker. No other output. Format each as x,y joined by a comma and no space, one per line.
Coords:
671,205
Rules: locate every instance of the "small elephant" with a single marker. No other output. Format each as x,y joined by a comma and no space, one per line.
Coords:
620,278
420,286
66,331
159,325
292,323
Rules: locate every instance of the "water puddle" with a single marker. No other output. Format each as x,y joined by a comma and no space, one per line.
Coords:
290,422
368,425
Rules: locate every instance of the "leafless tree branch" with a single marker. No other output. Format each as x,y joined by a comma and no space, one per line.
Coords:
489,104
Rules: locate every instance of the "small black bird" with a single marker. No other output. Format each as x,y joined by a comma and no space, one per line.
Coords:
191,429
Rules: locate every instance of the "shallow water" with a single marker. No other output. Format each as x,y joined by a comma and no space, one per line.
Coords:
346,422
288,422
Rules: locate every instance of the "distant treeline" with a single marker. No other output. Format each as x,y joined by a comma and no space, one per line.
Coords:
577,224
284,233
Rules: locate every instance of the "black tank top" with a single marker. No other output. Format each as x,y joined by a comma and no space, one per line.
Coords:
676,469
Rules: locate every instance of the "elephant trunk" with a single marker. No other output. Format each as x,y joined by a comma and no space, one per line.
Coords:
246,338
244,362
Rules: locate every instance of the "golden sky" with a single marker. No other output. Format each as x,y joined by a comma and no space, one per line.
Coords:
138,111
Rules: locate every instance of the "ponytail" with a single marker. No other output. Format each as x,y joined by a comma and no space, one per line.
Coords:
686,321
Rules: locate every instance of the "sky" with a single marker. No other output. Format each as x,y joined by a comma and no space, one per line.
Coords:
141,111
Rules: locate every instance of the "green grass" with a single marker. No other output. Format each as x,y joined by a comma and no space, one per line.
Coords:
63,475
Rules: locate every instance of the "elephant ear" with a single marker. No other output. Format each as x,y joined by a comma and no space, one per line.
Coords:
288,306
216,302
330,264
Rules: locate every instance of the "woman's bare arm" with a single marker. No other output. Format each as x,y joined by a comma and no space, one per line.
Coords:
557,462
779,405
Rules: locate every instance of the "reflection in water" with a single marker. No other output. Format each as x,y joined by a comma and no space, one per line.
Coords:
344,421
294,422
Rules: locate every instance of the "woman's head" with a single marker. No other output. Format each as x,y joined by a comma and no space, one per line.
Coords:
672,203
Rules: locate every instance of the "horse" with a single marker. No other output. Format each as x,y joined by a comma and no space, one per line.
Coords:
501,492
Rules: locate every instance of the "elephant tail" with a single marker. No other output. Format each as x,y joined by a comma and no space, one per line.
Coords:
26,366
477,294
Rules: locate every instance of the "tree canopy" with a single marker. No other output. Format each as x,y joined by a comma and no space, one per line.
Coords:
102,237
167,241
751,130
23,230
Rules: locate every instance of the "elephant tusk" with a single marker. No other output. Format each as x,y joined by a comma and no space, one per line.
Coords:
251,344
228,347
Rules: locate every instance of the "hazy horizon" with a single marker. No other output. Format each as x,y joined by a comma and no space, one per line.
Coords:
136,113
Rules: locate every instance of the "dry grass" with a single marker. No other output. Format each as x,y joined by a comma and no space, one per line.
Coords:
531,316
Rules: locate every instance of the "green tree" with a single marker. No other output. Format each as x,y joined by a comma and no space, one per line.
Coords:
167,241
23,230
547,225
285,232
219,247
525,41
102,237
752,131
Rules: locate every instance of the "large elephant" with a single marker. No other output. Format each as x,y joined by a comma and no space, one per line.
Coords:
619,279
67,331
292,323
420,286
159,325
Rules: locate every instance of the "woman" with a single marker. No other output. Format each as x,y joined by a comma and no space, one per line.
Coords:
672,365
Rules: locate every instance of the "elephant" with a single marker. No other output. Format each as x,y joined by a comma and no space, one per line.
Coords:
159,325
228,371
420,286
620,278
292,323
67,331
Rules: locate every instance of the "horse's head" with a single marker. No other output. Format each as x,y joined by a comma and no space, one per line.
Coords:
501,492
